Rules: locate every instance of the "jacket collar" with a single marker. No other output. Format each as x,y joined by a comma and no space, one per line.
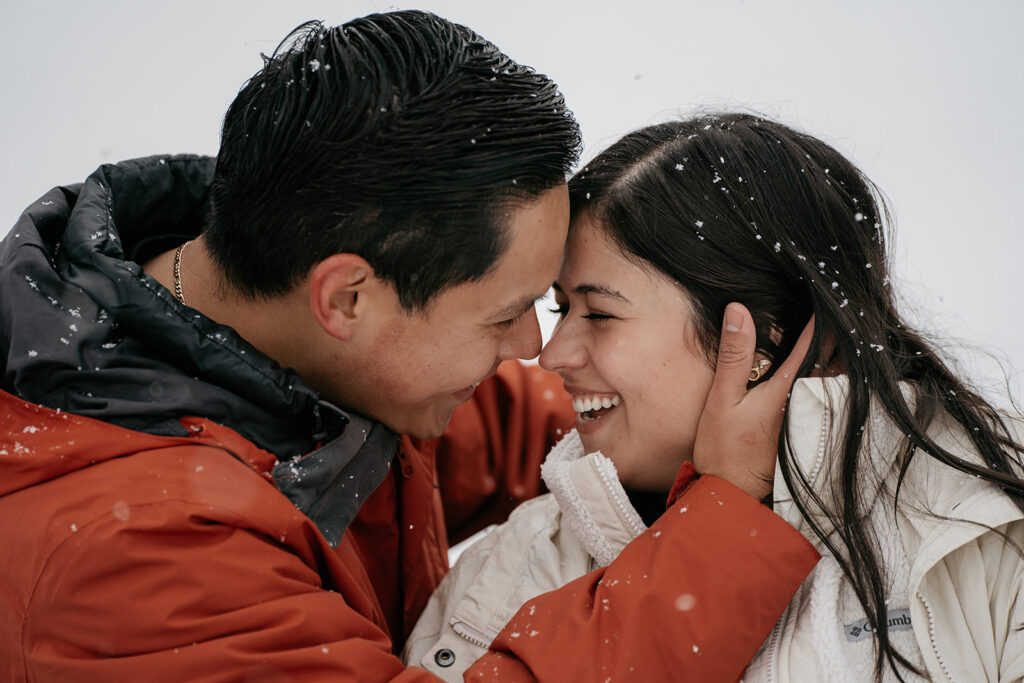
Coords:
591,499
331,484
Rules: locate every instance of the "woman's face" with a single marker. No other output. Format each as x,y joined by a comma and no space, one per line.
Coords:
626,351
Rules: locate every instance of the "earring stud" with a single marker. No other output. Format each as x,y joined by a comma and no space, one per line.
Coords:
759,369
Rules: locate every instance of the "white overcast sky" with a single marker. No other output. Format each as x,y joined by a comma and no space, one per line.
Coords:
925,96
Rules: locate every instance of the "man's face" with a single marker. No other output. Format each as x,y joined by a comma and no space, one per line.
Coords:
417,367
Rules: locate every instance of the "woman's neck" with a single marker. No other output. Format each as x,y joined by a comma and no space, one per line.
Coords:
649,504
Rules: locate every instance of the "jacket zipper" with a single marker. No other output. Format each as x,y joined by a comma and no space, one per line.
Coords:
931,635
478,638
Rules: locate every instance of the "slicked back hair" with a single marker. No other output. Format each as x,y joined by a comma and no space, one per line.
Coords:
738,208
401,137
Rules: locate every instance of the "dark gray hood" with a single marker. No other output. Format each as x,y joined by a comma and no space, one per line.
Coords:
85,330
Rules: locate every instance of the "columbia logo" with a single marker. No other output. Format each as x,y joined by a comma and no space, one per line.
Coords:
896,620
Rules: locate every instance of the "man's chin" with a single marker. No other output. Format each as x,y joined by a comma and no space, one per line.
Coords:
422,429
423,433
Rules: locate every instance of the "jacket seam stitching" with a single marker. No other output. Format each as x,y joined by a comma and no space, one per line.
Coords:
931,636
633,521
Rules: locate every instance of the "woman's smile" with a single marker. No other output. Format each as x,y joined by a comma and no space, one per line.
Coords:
593,409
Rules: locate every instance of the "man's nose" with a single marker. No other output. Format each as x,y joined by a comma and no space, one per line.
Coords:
523,340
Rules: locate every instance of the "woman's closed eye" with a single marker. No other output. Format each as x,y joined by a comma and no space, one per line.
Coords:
563,309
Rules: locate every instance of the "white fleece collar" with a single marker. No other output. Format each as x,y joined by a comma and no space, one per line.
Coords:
591,498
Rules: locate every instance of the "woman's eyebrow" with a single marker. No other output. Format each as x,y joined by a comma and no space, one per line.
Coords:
588,288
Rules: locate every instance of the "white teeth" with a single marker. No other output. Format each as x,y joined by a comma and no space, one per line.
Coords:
583,405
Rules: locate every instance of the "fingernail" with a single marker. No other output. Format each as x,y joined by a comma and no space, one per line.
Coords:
733,320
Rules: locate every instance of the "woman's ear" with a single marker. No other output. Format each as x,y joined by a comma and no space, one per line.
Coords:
337,293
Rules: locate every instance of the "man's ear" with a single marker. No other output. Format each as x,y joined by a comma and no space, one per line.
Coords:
337,293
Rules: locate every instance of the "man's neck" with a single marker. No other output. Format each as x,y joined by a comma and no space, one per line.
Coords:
269,325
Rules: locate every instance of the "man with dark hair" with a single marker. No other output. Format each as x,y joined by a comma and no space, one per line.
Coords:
203,473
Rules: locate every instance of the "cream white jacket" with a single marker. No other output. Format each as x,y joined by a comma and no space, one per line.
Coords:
953,605
546,543
953,585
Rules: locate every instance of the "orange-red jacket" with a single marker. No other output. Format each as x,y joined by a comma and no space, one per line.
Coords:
139,557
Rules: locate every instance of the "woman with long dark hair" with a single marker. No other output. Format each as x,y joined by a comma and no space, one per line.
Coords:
905,479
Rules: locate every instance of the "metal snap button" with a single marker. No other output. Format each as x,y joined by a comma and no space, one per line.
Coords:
444,657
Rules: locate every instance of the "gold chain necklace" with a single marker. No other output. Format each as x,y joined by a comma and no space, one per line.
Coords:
177,272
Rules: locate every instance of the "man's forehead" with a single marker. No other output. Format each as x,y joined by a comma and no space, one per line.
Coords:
536,242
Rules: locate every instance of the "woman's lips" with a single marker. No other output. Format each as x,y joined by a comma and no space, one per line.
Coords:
582,403
593,409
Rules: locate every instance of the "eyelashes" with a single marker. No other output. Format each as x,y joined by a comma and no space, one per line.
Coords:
563,310
510,322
